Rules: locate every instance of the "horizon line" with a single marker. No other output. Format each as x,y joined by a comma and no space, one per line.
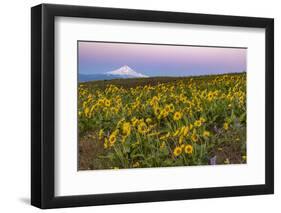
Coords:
225,73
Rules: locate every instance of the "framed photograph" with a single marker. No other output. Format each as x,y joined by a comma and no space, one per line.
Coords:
139,106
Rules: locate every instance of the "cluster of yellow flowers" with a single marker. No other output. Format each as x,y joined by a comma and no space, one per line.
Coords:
165,124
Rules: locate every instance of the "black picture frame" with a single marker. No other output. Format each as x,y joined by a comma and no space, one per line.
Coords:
43,102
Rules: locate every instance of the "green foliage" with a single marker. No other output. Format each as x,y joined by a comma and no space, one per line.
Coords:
165,121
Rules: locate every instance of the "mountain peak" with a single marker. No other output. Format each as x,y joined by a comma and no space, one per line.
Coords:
126,71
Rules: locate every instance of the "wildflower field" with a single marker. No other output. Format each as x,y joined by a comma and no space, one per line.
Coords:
162,122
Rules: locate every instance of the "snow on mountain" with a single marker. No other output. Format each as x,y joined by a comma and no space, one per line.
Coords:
127,72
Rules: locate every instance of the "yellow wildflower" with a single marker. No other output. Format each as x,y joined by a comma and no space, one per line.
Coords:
148,120
194,137
105,144
112,139
225,126
180,139
176,133
167,109
126,129
166,136
177,151
107,103
177,116
101,132
164,113
86,111
171,107
188,149
206,134
197,123
100,102
203,120
134,121
154,101
162,146
142,128
185,131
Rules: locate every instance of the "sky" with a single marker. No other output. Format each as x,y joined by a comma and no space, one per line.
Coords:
159,60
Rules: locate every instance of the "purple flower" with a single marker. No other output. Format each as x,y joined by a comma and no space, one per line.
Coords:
213,160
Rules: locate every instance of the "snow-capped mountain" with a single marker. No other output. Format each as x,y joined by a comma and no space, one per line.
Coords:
122,72
126,72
